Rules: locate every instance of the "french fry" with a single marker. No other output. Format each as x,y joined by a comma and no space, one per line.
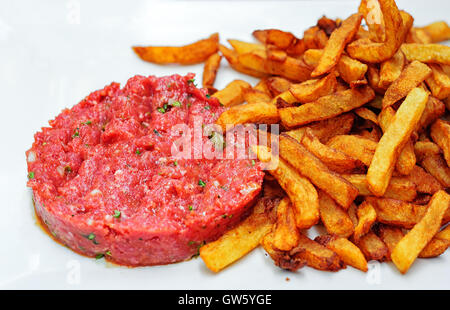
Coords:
315,38
334,218
438,245
415,73
336,44
433,110
398,188
242,47
373,16
285,233
326,129
254,95
312,90
233,93
281,259
326,107
391,69
366,218
302,193
373,75
316,171
210,70
410,246
281,39
327,25
232,58
393,140
332,158
354,146
440,133
366,114
185,55
390,236
438,82
240,240
423,149
437,167
373,247
425,182
277,85
438,31
349,253
316,255
427,53
265,113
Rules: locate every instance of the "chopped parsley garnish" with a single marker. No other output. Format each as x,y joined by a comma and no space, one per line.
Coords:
99,256
191,208
108,253
31,175
117,214
224,216
175,163
191,242
77,133
161,110
253,162
176,104
87,123
157,132
207,107
191,81
201,183
225,188
208,96
138,152
68,169
91,236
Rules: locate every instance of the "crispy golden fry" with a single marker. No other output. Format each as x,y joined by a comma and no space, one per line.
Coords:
332,158
254,95
407,158
438,31
373,75
393,140
326,24
264,113
302,193
391,69
277,85
292,68
281,259
376,102
285,233
367,114
440,133
316,255
349,253
312,90
233,93
438,82
316,171
398,188
433,110
242,47
326,107
336,44
437,167
397,25
284,100
232,58
407,250
354,146
366,218
415,73
428,53
184,55
240,240
314,38
423,149
373,16
334,218
210,70
438,245
281,39
373,247
390,236
326,129
425,182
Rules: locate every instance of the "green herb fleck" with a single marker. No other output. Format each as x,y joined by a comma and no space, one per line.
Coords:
31,175
191,242
157,132
138,152
225,188
253,162
175,163
201,183
208,96
99,256
68,169
176,104
161,110
191,208
108,253
207,107
77,133
91,236
117,214
191,81
87,123
224,216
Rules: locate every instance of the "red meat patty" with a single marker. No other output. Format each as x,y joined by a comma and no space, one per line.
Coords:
105,182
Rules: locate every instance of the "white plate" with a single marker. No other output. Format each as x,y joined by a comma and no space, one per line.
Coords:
53,53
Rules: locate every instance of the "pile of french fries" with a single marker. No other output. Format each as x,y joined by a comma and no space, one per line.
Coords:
364,149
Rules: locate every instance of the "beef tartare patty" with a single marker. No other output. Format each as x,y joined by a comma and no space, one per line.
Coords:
105,182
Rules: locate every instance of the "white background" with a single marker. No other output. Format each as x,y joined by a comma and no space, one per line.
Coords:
53,53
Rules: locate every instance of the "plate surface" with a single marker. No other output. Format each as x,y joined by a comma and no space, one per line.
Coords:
54,53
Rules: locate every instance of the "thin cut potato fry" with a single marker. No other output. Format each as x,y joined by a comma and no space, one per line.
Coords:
232,57
210,70
427,53
316,255
292,68
354,146
281,259
254,95
437,167
366,218
438,31
423,149
414,74
185,55
265,113
398,188
393,140
242,47
334,159
312,90
407,158
302,193
285,233
315,37
391,69
417,35
336,44
326,107
316,171
367,114
373,247
281,39
238,241
433,110
277,85
440,133
407,250
438,82
425,182
438,245
390,236
233,93
326,129
334,218
373,16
